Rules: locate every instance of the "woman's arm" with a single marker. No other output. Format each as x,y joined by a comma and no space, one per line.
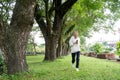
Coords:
71,42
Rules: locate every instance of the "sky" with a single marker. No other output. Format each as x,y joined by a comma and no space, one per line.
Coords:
102,36
97,36
39,40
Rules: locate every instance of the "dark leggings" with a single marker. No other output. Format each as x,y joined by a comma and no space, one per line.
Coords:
77,56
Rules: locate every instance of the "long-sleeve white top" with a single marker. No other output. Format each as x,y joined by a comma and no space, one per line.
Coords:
74,47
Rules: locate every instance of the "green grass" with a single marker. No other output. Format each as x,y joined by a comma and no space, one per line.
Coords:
60,69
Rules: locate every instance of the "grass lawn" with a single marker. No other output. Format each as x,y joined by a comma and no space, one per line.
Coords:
60,69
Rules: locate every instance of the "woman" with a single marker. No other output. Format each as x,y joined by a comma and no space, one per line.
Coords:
75,49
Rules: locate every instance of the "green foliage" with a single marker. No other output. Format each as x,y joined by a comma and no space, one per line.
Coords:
109,49
30,48
61,69
82,40
83,44
83,49
105,43
90,15
31,45
97,48
6,7
118,48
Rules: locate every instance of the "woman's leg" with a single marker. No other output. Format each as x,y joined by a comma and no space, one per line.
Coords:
73,58
77,59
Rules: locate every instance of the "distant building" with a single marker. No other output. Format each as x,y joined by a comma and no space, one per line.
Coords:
110,43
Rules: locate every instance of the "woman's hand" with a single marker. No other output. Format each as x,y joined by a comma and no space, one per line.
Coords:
76,42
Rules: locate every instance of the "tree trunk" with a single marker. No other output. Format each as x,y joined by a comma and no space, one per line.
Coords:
35,51
65,50
59,47
2,28
50,47
17,36
34,46
59,50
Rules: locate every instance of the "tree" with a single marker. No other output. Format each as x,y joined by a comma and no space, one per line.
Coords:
14,38
51,22
31,45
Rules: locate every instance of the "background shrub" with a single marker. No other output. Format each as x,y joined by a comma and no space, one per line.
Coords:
97,48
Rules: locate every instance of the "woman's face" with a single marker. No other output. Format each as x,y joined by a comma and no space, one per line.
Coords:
76,33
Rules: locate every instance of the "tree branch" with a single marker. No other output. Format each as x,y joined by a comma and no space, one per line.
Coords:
48,21
57,2
66,6
40,20
52,8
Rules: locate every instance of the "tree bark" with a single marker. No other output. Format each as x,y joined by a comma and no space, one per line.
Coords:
59,48
52,40
65,50
60,44
1,32
50,47
17,35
